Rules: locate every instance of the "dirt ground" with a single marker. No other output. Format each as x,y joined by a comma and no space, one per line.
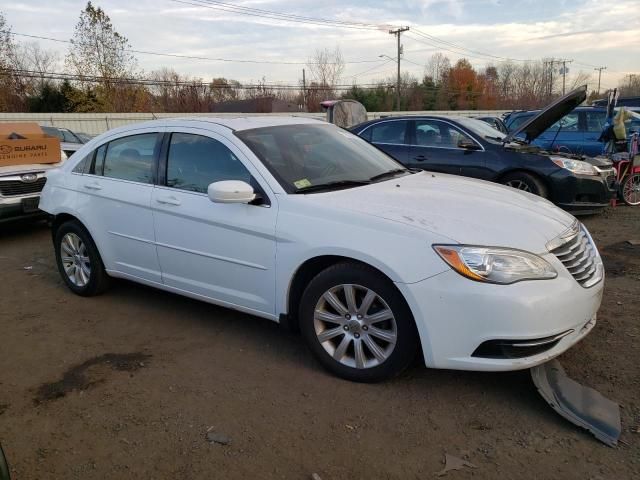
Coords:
127,385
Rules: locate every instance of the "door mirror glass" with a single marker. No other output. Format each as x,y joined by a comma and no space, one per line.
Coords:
231,191
468,144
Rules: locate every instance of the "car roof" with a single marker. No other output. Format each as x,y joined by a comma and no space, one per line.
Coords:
231,122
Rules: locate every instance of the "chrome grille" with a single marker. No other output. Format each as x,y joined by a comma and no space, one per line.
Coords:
10,188
580,257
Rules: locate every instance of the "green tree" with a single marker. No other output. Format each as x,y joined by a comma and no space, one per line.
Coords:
98,50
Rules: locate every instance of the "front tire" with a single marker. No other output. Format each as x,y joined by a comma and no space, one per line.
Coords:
78,260
525,182
357,324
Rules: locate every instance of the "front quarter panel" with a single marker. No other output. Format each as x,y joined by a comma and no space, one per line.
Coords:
305,231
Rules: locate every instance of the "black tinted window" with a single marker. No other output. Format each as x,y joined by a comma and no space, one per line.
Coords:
195,161
130,158
389,132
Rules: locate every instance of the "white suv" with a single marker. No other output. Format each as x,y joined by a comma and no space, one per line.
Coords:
298,221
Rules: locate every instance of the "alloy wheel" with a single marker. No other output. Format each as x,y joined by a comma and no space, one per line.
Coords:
355,326
518,185
75,259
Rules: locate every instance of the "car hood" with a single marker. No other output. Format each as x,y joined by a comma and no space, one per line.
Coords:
20,169
549,115
464,210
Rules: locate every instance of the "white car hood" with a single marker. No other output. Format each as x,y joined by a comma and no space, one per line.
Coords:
20,169
465,210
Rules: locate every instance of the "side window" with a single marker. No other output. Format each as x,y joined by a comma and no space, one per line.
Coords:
389,132
432,133
84,164
195,161
97,166
594,121
568,123
130,158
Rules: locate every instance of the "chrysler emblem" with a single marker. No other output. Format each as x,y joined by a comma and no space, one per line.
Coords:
29,177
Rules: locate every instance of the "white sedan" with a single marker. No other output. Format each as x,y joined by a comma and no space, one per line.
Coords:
298,221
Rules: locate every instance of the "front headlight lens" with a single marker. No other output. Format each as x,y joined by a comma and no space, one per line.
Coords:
495,265
575,166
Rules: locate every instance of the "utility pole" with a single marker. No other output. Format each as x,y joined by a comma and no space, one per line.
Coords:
304,91
397,33
551,62
564,73
599,76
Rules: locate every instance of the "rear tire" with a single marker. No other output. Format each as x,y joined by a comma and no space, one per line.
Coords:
526,182
78,260
630,190
357,324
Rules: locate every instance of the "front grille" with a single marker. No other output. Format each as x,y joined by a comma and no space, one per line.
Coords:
9,188
579,256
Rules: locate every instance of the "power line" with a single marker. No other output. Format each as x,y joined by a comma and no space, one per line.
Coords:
192,57
254,12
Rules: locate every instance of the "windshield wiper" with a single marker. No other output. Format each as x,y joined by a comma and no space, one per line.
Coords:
390,173
331,185
499,139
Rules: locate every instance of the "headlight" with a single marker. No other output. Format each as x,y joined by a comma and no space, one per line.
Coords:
575,166
495,265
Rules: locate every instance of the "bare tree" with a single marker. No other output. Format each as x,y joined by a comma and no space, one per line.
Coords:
437,67
326,68
630,85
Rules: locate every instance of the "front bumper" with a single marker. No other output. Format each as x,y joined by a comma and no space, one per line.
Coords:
455,315
581,194
13,208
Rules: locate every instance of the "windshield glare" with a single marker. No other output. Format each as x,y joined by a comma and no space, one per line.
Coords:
481,128
301,156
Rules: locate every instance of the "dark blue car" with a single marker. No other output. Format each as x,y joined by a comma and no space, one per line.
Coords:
577,132
470,147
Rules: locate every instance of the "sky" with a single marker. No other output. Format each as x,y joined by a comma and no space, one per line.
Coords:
592,33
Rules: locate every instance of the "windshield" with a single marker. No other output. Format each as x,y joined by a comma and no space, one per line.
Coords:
304,156
481,128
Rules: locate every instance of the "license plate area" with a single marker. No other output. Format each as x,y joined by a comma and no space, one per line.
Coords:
30,205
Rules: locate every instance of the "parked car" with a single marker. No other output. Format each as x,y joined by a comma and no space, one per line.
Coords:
20,187
70,141
470,147
495,122
577,132
298,221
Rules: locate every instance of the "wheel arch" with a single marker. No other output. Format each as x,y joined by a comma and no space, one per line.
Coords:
538,176
309,269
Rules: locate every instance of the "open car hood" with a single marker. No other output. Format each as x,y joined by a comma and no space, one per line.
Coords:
550,115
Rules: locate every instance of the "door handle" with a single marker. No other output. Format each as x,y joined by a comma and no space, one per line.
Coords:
92,186
420,158
168,201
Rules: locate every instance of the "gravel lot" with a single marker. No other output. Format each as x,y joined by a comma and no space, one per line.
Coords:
127,385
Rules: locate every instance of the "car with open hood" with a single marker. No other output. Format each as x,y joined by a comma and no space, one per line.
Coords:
471,147
301,222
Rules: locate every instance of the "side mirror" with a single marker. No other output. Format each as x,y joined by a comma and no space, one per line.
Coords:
231,191
467,144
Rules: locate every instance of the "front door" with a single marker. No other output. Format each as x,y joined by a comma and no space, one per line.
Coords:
435,148
225,252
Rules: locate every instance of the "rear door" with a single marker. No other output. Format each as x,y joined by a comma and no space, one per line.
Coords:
114,197
565,135
390,136
435,148
593,122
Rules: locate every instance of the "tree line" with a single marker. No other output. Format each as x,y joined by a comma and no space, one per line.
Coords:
102,75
